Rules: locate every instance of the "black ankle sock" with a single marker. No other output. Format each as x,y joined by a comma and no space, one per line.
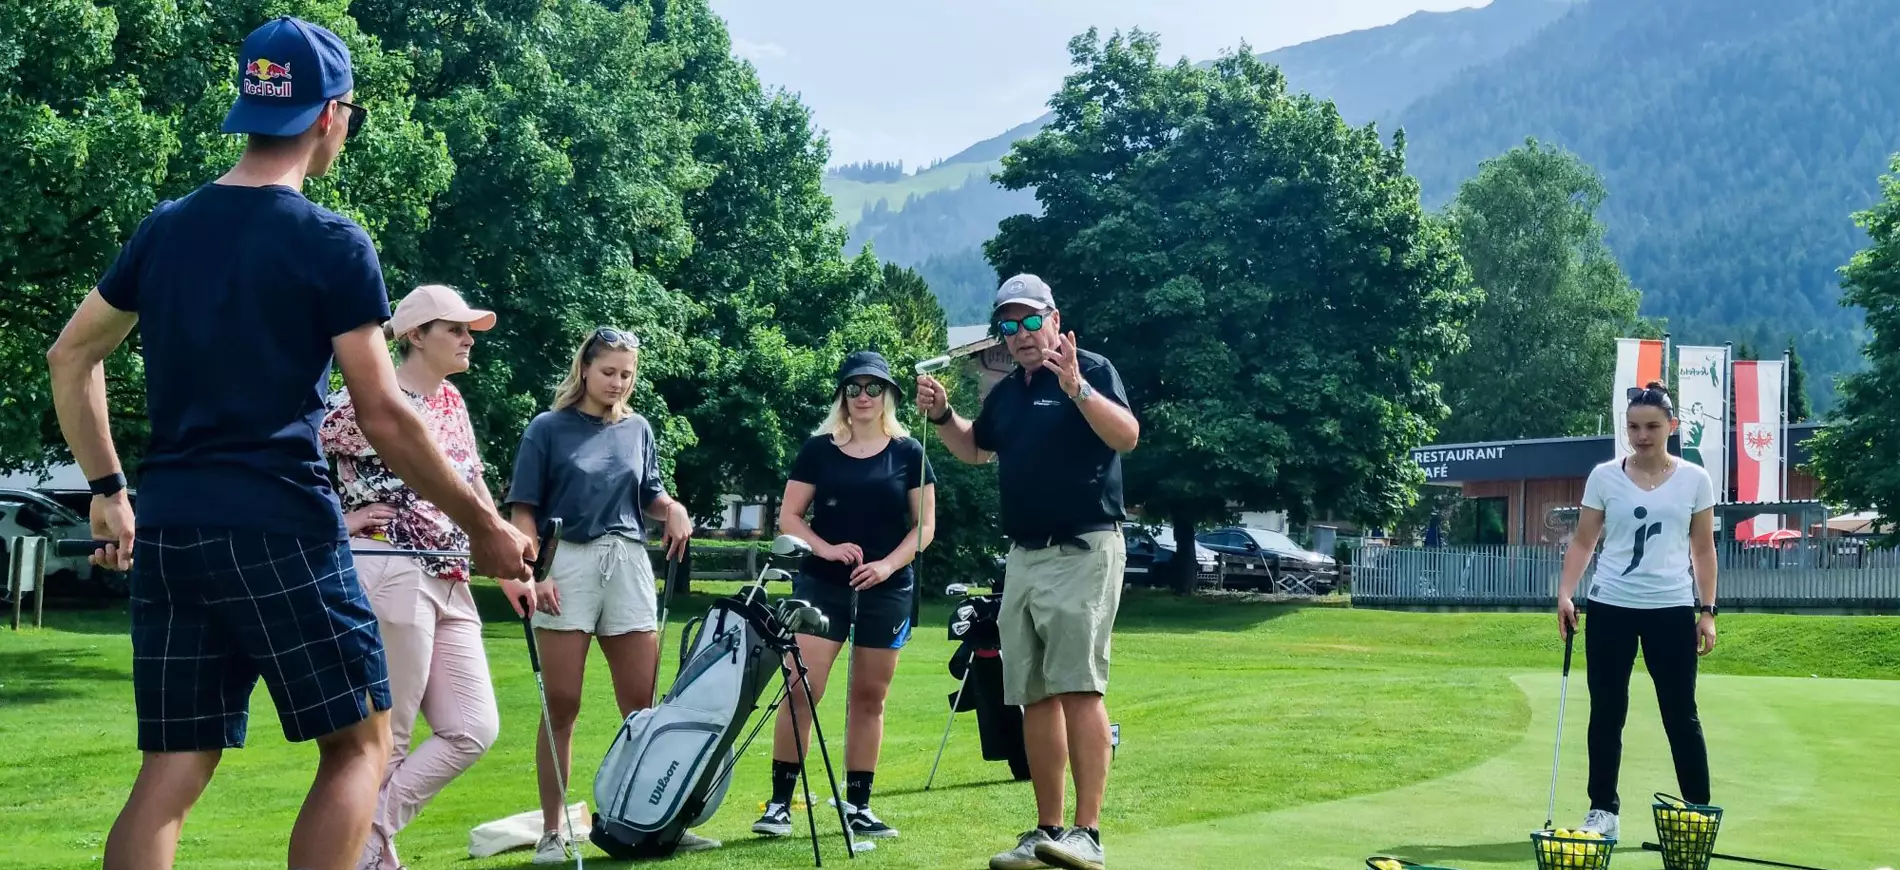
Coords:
1054,831
784,781
1094,834
857,787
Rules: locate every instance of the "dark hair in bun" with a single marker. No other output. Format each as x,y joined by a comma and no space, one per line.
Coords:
1654,393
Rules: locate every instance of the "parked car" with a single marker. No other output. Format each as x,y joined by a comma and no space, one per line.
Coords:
1287,565
1151,553
49,514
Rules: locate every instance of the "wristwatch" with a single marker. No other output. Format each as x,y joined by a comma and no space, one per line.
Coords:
1706,608
108,485
948,412
1083,394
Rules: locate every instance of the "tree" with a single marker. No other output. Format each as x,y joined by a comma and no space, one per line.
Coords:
1262,275
1857,457
1799,409
1543,343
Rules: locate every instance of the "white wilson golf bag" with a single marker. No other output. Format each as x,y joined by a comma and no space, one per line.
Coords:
668,767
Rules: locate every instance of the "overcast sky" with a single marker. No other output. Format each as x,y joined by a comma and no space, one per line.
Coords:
901,79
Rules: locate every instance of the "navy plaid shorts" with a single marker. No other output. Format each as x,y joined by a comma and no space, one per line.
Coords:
214,609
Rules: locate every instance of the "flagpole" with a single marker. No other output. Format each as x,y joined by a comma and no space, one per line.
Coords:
1786,454
1728,435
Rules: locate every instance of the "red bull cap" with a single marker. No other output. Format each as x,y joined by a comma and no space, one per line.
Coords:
288,70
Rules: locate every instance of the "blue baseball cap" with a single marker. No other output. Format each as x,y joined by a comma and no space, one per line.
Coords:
288,70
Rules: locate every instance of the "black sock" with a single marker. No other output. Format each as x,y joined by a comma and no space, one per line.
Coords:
857,788
1054,831
784,781
1094,834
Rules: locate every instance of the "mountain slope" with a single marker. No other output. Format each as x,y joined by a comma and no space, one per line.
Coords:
1736,137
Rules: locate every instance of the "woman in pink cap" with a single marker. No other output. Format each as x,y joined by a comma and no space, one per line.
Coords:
430,627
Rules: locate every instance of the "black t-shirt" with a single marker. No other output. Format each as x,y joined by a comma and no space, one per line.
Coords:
1054,474
859,501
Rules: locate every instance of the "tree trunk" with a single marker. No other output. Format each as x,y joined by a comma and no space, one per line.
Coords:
1183,564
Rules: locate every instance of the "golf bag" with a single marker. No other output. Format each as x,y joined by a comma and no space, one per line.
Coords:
978,666
668,767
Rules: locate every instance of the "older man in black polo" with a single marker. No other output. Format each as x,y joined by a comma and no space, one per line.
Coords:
1057,425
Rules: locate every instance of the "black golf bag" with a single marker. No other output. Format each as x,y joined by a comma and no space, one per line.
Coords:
668,767
978,665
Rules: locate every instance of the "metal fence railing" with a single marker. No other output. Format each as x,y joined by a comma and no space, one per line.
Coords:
1830,574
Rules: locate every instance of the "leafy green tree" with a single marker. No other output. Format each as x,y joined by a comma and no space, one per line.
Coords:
1261,274
107,108
1543,343
1800,410
1857,457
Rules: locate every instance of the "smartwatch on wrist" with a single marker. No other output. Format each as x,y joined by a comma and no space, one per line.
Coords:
939,421
107,486
1706,608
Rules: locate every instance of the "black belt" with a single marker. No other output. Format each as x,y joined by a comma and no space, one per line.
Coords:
1074,536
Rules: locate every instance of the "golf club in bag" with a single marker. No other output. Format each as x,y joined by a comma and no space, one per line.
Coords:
668,767
978,665
544,559
1563,695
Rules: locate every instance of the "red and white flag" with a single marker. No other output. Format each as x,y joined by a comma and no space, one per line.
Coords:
1638,361
1758,445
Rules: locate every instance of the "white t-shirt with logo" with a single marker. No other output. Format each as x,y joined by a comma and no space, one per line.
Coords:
1645,558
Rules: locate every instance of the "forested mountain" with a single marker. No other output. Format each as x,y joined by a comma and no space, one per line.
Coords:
1736,137
935,223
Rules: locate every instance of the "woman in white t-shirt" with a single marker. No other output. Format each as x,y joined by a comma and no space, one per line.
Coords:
1655,515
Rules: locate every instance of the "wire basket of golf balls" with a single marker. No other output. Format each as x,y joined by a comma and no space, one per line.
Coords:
1387,862
1686,831
1565,849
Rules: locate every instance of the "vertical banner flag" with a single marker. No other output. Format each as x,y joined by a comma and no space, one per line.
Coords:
1638,361
1702,407
1757,441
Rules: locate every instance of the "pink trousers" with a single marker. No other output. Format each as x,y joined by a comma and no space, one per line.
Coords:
432,637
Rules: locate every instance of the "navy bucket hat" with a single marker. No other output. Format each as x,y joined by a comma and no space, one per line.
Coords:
862,363
288,70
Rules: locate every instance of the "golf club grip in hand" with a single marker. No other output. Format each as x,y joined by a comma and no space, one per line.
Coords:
1570,642
77,547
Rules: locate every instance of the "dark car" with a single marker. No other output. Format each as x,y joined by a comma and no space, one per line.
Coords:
1281,564
1150,555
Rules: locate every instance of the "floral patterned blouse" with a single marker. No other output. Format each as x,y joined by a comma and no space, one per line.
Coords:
362,479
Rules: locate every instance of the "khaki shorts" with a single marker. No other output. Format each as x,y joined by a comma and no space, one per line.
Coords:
1059,606
605,587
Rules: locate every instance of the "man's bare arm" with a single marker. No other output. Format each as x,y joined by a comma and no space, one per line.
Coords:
77,363
398,434
1113,423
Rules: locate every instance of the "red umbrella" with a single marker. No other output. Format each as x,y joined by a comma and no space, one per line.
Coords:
1774,536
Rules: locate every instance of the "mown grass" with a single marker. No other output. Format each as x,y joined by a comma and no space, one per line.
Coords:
1304,734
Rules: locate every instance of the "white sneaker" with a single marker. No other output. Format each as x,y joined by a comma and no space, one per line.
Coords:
1076,851
1600,821
1023,857
691,842
552,849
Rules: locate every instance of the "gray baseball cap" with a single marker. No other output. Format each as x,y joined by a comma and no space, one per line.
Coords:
1025,289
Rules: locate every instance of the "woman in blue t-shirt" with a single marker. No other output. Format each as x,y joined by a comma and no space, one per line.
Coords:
873,502
1655,514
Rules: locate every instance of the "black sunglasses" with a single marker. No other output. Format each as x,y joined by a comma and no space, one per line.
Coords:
612,337
1009,327
853,390
358,115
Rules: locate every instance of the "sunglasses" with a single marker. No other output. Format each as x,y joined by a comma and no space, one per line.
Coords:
874,390
1654,397
612,337
1010,327
358,115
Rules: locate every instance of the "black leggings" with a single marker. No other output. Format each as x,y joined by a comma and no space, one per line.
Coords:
1668,638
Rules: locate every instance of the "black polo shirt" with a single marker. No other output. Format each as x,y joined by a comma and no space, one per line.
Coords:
1055,476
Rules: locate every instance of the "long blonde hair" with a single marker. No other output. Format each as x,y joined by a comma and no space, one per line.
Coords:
838,423
573,388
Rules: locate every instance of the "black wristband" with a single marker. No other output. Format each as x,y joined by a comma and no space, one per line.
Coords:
939,421
108,485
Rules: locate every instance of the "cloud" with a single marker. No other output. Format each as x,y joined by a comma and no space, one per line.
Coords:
756,51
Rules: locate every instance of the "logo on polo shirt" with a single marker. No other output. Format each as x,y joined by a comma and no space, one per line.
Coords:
261,79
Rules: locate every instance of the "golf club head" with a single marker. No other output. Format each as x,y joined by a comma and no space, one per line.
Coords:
544,556
966,613
957,589
790,545
802,618
960,628
776,574
933,365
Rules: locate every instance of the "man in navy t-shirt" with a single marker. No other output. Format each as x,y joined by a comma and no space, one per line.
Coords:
244,292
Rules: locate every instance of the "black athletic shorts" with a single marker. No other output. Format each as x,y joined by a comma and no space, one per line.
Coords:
883,610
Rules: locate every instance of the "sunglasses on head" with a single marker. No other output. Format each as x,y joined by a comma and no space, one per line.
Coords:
854,390
1010,327
612,337
358,115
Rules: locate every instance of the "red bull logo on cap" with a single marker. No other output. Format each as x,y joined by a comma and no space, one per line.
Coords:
262,79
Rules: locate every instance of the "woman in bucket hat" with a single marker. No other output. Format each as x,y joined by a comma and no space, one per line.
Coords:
872,498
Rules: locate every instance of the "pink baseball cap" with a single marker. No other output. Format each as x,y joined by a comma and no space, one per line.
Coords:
431,302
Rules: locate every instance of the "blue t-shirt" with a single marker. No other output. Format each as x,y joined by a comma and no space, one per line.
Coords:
239,291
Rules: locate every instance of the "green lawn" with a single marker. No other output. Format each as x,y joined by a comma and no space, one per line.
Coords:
1252,736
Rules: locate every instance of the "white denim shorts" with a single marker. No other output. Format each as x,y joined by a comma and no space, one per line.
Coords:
605,587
